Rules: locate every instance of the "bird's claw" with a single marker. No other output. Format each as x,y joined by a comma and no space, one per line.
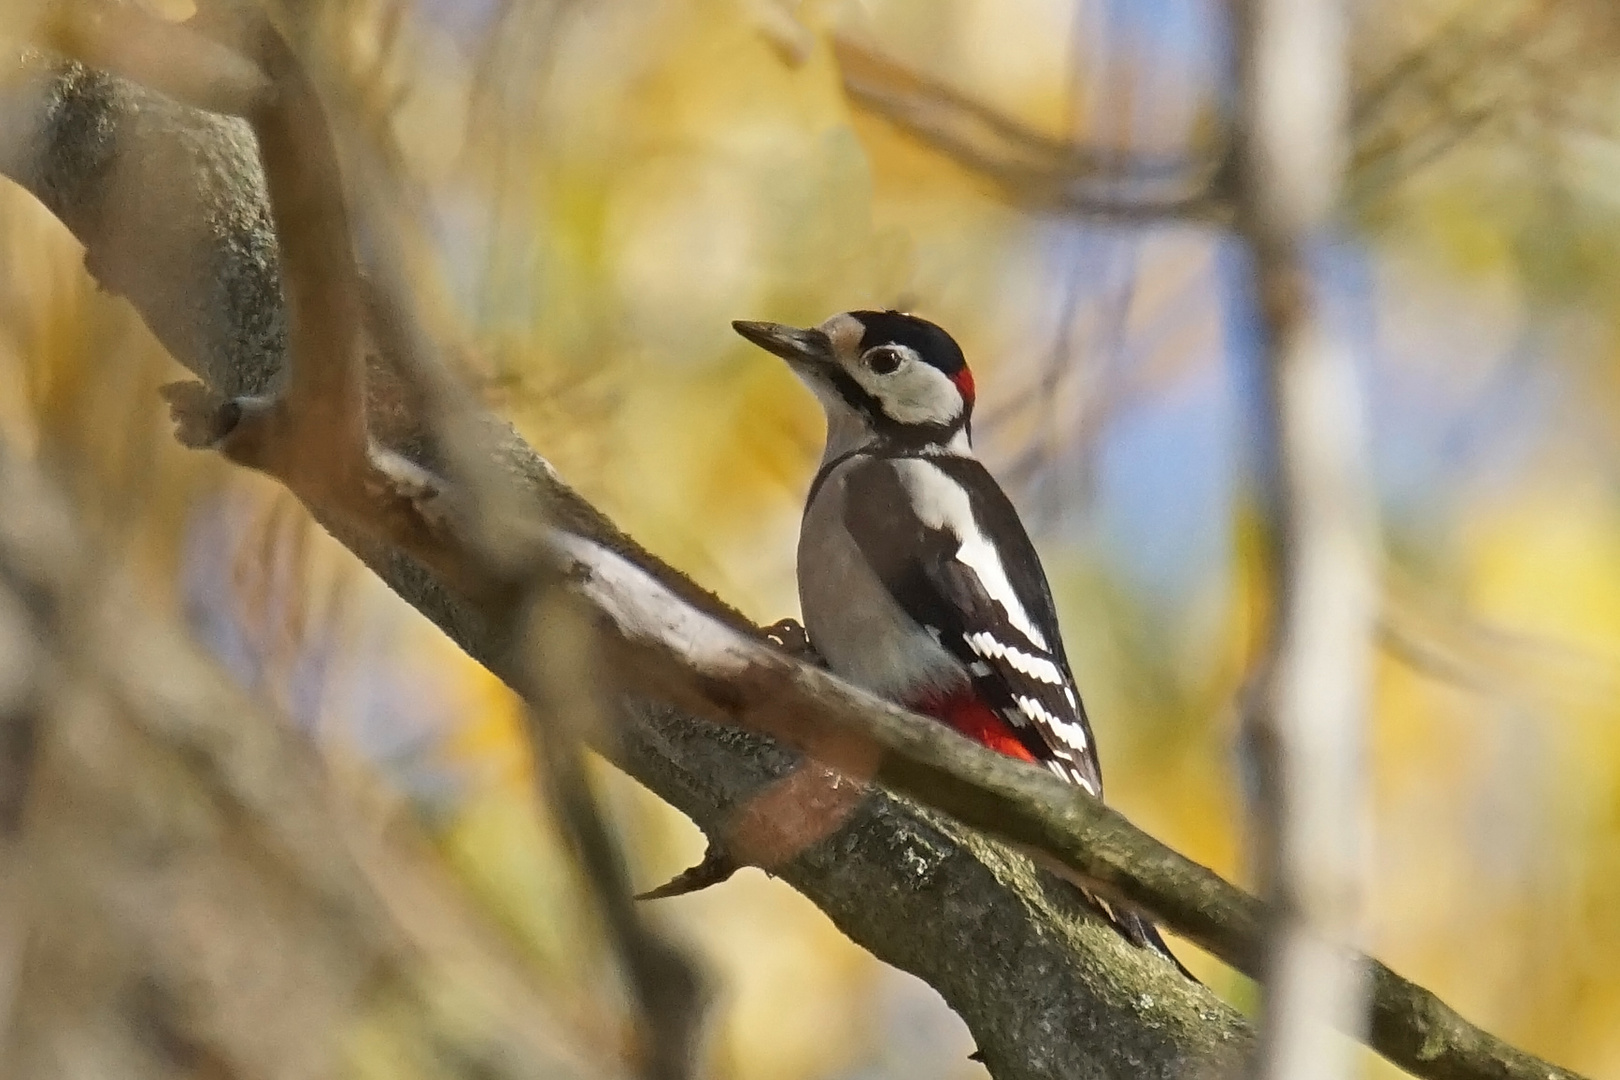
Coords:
789,636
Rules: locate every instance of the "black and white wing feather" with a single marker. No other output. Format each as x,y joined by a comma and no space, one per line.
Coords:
949,547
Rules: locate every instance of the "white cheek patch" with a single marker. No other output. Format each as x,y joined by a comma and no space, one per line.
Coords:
915,393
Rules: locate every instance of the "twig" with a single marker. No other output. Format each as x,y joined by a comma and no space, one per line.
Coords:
555,667
1304,731
1033,170
20,695
311,434
314,437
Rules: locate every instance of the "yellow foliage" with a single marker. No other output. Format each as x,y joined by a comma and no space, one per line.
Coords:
614,183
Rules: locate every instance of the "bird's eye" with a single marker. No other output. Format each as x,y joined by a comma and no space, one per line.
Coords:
883,361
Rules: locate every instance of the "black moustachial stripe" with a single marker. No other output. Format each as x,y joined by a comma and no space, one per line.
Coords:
889,430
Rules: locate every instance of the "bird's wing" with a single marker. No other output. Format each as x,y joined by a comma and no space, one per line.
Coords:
950,549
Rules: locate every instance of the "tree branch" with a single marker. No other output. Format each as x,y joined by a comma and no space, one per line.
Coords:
1033,170
314,436
1047,990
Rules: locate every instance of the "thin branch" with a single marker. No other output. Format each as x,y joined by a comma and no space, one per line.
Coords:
1305,730
564,702
314,437
1033,170
683,655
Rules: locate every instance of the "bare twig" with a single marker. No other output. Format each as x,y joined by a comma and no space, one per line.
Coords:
1305,728
1033,170
312,433
557,673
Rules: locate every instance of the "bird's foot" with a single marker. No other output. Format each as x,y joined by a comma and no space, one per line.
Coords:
790,636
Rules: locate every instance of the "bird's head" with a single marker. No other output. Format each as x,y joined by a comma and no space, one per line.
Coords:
878,374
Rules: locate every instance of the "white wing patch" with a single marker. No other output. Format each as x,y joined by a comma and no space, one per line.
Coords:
1064,772
1036,667
940,503
1073,735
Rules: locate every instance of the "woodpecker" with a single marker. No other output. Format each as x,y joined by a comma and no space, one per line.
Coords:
917,579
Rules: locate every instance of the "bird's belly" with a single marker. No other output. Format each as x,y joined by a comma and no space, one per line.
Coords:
865,637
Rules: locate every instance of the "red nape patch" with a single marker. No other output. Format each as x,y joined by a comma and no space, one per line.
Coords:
964,711
964,383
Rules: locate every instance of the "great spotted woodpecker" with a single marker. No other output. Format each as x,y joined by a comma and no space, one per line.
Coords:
917,580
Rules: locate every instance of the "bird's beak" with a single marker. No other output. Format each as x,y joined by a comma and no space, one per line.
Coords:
804,349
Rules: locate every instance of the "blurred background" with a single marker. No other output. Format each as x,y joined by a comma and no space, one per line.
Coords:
597,189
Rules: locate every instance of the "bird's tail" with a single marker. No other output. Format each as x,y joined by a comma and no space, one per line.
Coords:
1144,935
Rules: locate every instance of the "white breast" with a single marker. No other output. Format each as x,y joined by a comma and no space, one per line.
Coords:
852,620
